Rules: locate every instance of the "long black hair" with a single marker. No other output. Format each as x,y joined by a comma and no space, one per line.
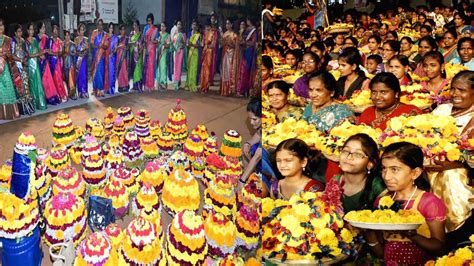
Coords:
370,148
410,155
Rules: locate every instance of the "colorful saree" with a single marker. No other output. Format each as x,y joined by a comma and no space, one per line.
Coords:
69,70
136,60
328,117
179,41
149,57
193,66
210,43
49,87
36,86
112,61
246,63
100,39
81,66
122,64
56,68
228,65
20,76
449,54
8,103
162,70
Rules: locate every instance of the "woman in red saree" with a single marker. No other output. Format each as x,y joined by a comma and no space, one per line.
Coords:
385,94
229,66
210,42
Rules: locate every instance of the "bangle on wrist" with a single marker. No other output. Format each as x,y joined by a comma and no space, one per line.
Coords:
242,181
373,244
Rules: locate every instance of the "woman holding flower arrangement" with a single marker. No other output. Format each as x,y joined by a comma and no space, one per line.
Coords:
352,77
450,181
323,112
294,161
402,172
278,91
359,161
385,94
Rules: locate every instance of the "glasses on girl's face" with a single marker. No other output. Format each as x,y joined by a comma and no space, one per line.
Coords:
356,155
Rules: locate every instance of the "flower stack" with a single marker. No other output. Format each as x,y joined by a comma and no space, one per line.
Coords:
58,159
69,180
233,169
201,131
91,148
307,227
185,240
154,175
65,215
141,244
231,144
76,149
331,144
147,199
194,147
18,217
149,147
197,167
461,256
179,160
291,128
221,235
180,192
94,172
176,124
154,216
247,221
166,144
119,127
155,129
142,123
417,95
132,151
41,155
252,192
96,249
63,130
42,183
5,174
127,178
211,145
436,135
220,197
114,160
109,119
118,193
214,165
115,235
95,128
359,101
126,114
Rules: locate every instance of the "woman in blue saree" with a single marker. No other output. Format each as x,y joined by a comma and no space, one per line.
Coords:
69,71
99,44
323,112
82,45
112,58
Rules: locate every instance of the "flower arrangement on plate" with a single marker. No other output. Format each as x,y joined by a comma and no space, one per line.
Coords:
436,135
359,101
268,119
452,69
291,128
461,256
307,229
389,216
331,144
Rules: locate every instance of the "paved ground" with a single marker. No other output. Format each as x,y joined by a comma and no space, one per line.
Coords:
217,113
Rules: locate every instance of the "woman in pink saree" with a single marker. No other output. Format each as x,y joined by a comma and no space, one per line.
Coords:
122,61
55,63
150,33
229,62
49,87
179,42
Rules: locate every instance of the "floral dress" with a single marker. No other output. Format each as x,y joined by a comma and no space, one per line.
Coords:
328,117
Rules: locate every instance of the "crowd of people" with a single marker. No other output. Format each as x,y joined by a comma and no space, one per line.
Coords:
37,70
379,53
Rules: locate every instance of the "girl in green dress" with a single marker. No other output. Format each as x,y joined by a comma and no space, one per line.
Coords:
8,102
36,85
194,44
163,50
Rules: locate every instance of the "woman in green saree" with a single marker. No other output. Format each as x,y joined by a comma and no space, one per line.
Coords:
8,103
163,50
36,85
194,44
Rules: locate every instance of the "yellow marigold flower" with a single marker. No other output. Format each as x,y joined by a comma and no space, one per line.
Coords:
336,251
318,223
464,253
453,153
346,235
471,238
386,201
303,211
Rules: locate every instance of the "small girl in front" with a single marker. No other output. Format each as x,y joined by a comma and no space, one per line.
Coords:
293,159
402,172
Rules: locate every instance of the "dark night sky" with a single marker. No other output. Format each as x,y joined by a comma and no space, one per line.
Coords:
21,11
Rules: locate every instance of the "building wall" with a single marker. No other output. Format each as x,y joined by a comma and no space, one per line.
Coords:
144,7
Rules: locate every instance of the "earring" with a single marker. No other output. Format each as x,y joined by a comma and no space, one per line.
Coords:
368,171
304,168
